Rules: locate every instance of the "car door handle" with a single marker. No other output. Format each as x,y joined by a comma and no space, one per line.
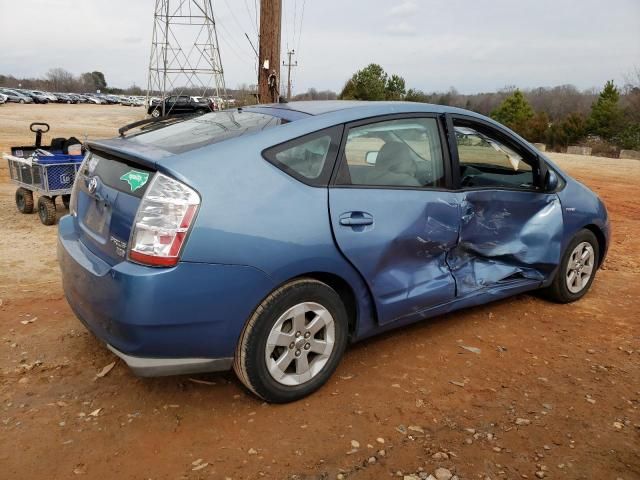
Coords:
356,219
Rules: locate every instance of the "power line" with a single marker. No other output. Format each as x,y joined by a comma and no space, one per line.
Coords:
240,26
251,17
295,5
299,39
300,29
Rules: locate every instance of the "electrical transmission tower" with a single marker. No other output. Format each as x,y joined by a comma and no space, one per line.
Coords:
185,56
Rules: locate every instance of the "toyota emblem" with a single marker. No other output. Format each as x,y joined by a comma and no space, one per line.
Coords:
93,185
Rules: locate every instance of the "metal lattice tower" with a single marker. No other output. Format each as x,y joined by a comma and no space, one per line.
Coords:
185,56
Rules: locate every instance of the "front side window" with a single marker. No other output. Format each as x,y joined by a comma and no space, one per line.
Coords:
395,153
486,161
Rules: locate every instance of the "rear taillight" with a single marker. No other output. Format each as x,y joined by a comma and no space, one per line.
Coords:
164,217
73,201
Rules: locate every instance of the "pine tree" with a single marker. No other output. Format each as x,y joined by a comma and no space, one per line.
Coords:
514,112
606,118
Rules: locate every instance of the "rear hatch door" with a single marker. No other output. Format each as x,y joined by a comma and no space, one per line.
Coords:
109,189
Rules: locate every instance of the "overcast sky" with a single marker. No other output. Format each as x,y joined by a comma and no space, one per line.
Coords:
473,45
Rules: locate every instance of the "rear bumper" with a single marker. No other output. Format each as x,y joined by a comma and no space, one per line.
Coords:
161,321
158,367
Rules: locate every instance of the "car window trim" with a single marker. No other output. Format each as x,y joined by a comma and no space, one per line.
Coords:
335,132
503,135
341,165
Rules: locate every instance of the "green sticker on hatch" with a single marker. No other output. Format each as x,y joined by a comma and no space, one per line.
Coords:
135,179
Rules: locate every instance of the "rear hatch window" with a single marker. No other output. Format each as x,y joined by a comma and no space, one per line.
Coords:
206,130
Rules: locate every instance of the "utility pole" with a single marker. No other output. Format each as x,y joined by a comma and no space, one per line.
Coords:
290,53
269,51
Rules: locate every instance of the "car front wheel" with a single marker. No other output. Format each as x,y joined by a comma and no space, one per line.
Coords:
293,342
577,269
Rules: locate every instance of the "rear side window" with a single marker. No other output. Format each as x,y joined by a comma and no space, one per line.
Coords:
310,158
206,130
404,152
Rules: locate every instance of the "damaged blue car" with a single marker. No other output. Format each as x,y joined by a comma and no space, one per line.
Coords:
265,239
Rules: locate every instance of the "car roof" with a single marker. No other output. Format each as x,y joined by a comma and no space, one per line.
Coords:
320,107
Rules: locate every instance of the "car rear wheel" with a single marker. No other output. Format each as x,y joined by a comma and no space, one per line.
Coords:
293,342
577,269
155,113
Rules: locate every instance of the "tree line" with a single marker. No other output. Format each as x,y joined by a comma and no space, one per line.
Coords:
607,120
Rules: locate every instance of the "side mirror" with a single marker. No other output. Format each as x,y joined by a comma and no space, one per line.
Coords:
551,181
371,157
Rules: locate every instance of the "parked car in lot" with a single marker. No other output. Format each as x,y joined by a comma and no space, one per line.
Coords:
267,238
179,105
48,95
109,99
65,98
93,99
3,98
77,98
128,101
36,97
15,96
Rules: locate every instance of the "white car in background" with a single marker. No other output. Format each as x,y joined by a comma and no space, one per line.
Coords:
3,98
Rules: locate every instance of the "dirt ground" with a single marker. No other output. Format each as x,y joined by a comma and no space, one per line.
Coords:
554,391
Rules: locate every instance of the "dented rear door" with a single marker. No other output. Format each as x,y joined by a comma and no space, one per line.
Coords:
397,227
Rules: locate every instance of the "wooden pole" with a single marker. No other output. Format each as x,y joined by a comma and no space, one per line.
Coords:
269,51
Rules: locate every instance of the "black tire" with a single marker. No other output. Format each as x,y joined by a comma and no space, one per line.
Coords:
24,200
558,290
65,201
47,211
22,100
202,111
156,113
249,362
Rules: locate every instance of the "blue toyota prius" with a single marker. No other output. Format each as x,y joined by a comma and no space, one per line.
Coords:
265,239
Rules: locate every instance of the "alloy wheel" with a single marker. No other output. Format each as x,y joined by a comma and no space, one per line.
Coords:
580,267
300,343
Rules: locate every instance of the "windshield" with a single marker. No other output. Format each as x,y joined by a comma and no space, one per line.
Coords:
206,130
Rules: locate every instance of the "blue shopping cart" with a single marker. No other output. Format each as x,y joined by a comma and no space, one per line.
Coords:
47,170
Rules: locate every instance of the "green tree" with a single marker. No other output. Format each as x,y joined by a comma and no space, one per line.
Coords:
574,127
537,127
607,118
629,137
414,95
373,83
395,88
94,80
514,112
370,83
567,132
